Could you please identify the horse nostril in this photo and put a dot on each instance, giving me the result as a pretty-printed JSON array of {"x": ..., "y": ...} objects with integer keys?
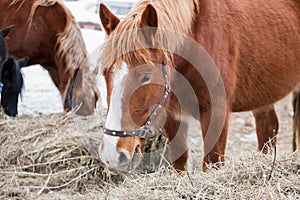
[{"x": 123, "y": 159}]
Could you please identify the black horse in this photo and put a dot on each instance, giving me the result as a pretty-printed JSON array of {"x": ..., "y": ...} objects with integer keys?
[{"x": 12, "y": 81}]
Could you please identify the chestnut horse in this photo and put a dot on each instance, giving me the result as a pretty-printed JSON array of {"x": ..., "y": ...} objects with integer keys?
[
  {"x": 46, "y": 32},
  {"x": 170, "y": 59}
]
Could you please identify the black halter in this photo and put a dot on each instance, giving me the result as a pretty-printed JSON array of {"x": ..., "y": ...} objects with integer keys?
[
  {"x": 144, "y": 131},
  {"x": 68, "y": 96},
  {"x": 1, "y": 86}
]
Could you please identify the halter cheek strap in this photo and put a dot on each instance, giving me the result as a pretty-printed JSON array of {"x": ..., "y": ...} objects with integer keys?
[
  {"x": 68, "y": 97},
  {"x": 1, "y": 86},
  {"x": 145, "y": 132}
]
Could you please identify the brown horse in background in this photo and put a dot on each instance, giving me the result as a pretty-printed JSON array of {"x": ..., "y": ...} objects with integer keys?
[
  {"x": 46, "y": 32},
  {"x": 234, "y": 56}
]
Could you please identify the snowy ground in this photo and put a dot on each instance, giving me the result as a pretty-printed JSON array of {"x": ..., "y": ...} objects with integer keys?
[{"x": 40, "y": 95}]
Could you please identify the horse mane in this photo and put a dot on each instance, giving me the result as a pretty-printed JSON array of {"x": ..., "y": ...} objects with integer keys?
[
  {"x": 70, "y": 46},
  {"x": 13, "y": 2},
  {"x": 127, "y": 42}
]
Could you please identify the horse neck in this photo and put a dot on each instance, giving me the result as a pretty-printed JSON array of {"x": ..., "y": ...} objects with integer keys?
[{"x": 203, "y": 36}]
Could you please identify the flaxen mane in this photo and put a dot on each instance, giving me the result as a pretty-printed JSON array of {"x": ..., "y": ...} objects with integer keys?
[
  {"x": 128, "y": 38},
  {"x": 71, "y": 48}
]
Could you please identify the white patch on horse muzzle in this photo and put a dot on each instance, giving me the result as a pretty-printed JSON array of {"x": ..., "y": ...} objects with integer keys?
[{"x": 108, "y": 151}]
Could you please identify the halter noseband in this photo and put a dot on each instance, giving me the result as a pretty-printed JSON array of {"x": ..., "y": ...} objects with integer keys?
[{"x": 145, "y": 132}]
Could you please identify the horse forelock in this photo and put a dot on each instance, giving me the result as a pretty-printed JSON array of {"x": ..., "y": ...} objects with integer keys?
[{"x": 126, "y": 42}]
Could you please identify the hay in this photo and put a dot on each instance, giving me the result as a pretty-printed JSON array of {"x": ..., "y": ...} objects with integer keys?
[
  {"x": 55, "y": 157},
  {"x": 245, "y": 177},
  {"x": 48, "y": 152}
]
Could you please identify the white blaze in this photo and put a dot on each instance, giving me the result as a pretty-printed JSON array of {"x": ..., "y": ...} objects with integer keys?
[
  {"x": 113, "y": 121},
  {"x": 109, "y": 154}
]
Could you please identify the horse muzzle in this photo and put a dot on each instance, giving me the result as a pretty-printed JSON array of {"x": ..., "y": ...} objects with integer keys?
[{"x": 117, "y": 157}]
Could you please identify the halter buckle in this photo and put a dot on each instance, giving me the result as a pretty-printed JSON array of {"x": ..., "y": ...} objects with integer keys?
[{"x": 145, "y": 133}]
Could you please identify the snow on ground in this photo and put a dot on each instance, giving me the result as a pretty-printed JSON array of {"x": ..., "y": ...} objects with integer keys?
[{"x": 39, "y": 94}]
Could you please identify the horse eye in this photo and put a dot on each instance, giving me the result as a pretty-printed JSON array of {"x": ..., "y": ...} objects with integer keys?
[{"x": 146, "y": 78}]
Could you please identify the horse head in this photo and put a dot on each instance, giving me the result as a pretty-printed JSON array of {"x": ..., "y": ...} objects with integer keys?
[
  {"x": 82, "y": 94},
  {"x": 137, "y": 86},
  {"x": 12, "y": 80}
]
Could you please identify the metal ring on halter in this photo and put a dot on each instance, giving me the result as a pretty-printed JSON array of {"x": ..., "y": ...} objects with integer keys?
[{"x": 146, "y": 133}]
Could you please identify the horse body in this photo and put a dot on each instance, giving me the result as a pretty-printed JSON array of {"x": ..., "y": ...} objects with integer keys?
[
  {"x": 255, "y": 51},
  {"x": 279, "y": 32},
  {"x": 46, "y": 32}
]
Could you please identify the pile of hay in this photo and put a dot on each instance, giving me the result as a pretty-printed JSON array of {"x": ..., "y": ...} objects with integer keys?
[
  {"x": 55, "y": 156},
  {"x": 48, "y": 152},
  {"x": 246, "y": 177},
  {"x": 53, "y": 153}
]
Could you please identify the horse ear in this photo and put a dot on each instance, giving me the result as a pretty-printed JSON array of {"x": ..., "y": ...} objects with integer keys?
[
  {"x": 8, "y": 65},
  {"x": 149, "y": 22},
  {"x": 6, "y": 30},
  {"x": 108, "y": 19},
  {"x": 23, "y": 62}
]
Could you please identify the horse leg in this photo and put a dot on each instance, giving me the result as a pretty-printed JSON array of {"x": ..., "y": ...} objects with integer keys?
[
  {"x": 214, "y": 133},
  {"x": 176, "y": 132},
  {"x": 266, "y": 127},
  {"x": 296, "y": 119}
]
